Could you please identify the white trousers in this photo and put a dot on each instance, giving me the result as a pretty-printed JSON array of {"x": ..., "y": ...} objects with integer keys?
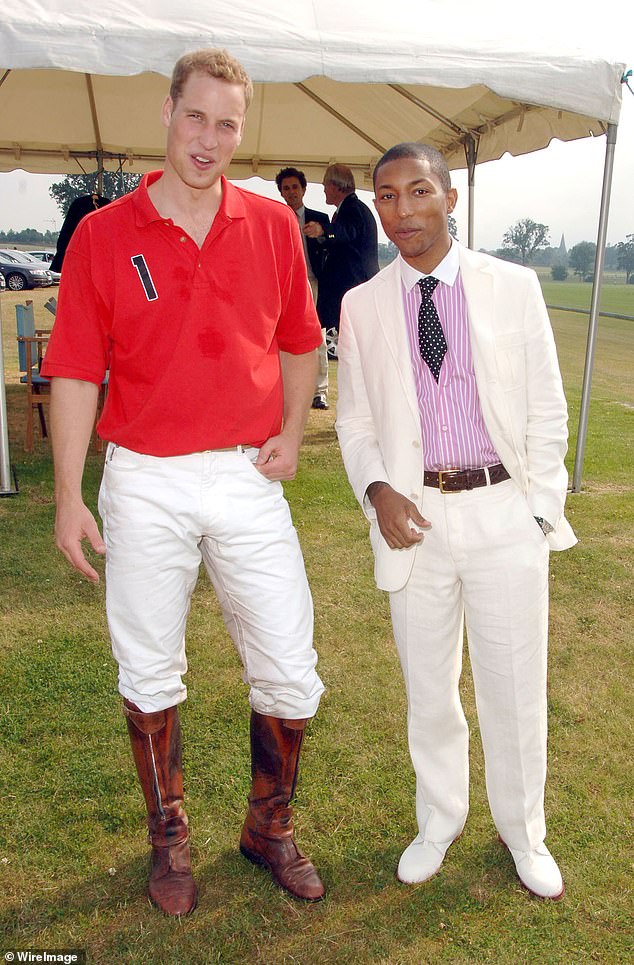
[
  {"x": 485, "y": 560},
  {"x": 321, "y": 386},
  {"x": 161, "y": 516}
]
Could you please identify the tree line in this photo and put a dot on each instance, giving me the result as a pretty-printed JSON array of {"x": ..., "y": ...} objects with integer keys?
[
  {"x": 28, "y": 237},
  {"x": 527, "y": 243}
]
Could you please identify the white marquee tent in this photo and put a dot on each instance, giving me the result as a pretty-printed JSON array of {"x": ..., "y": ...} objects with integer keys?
[
  {"x": 81, "y": 86},
  {"x": 332, "y": 82}
]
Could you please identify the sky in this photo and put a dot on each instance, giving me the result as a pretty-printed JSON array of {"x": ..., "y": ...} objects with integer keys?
[{"x": 559, "y": 186}]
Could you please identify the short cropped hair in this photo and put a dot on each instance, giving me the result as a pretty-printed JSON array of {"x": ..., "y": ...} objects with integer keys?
[
  {"x": 214, "y": 63},
  {"x": 341, "y": 176},
  {"x": 290, "y": 173},
  {"x": 422, "y": 152}
]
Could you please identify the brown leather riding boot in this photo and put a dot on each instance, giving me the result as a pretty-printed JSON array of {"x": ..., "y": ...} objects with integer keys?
[
  {"x": 267, "y": 835},
  {"x": 156, "y": 746}
]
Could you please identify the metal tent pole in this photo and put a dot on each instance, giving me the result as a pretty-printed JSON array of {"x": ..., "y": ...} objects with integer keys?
[
  {"x": 471, "y": 153},
  {"x": 7, "y": 484},
  {"x": 594, "y": 307}
]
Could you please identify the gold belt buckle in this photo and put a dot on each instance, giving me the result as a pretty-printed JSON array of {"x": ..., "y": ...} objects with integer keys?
[{"x": 441, "y": 473}]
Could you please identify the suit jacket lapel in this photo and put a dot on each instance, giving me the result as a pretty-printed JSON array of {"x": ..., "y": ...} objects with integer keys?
[
  {"x": 391, "y": 315},
  {"x": 478, "y": 279},
  {"x": 479, "y": 289}
]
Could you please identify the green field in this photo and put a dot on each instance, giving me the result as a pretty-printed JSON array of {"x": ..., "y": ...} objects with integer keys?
[
  {"x": 615, "y": 298},
  {"x": 72, "y": 838}
]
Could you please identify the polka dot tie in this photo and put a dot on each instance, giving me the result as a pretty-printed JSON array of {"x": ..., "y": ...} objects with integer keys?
[{"x": 431, "y": 338}]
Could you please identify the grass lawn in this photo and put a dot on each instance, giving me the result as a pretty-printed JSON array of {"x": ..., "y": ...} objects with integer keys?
[
  {"x": 617, "y": 298},
  {"x": 73, "y": 854}
]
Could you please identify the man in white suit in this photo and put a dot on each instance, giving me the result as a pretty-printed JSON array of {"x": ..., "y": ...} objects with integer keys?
[{"x": 453, "y": 426}]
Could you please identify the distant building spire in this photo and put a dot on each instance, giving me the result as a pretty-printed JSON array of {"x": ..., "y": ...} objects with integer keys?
[{"x": 561, "y": 257}]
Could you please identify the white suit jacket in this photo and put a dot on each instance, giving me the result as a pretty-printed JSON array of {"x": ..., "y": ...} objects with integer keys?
[{"x": 518, "y": 379}]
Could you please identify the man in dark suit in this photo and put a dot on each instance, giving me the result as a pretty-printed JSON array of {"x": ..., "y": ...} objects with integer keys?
[
  {"x": 351, "y": 251},
  {"x": 78, "y": 209},
  {"x": 291, "y": 184}
]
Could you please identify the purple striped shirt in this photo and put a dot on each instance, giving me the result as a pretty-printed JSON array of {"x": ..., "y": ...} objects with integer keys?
[{"x": 453, "y": 431}]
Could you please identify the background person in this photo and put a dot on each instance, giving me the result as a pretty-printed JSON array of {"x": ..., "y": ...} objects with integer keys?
[
  {"x": 291, "y": 184},
  {"x": 194, "y": 294},
  {"x": 78, "y": 209},
  {"x": 350, "y": 243},
  {"x": 451, "y": 405}
]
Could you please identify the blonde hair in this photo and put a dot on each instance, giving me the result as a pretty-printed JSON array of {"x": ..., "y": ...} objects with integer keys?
[{"x": 214, "y": 63}]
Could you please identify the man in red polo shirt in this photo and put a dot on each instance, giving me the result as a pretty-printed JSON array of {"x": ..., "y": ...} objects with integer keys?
[{"x": 193, "y": 293}]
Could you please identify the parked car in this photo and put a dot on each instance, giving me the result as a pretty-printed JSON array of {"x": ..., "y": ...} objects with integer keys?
[
  {"x": 43, "y": 254},
  {"x": 22, "y": 271},
  {"x": 3, "y": 283},
  {"x": 46, "y": 257}
]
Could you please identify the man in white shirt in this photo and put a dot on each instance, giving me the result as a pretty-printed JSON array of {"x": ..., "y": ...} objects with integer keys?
[{"x": 453, "y": 427}]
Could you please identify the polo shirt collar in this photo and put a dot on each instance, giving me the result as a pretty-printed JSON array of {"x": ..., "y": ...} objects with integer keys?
[
  {"x": 146, "y": 213},
  {"x": 445, "y": 271},
  {"x": 231, "y": 206}
]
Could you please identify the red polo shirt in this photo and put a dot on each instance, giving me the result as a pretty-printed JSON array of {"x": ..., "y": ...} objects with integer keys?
[{"x": 191, "y": 336}]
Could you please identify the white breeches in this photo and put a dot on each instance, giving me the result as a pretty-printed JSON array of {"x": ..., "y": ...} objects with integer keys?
[{"x": 161, "y": 517}]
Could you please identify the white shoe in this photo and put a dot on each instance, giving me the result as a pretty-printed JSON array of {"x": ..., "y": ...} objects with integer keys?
[
  {"x": 538, "y": 872},
  {"x": 421, "y": 860}
]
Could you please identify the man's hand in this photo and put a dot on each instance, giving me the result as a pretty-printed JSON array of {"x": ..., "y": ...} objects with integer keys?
[
  {"x": 73, "y": 523},
  {"x": 395, "y": 515},
  {"x": 278, "y": 457},
  {"x": 312, "y": 229}
]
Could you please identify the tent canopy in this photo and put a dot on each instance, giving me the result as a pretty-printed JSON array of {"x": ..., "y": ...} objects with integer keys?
[{"x": 333, "y": 82}]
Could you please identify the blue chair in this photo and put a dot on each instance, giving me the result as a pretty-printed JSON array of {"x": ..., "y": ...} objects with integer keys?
[{"x": 31, "y": 347}]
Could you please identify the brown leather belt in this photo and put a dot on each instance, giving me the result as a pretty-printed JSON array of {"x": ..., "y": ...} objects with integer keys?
[
  {"x": 455, "y": 480},
  {"x": 237, "y": 448}
]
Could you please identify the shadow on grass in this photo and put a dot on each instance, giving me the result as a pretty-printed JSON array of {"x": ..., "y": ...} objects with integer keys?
[
  {"x": 367, "y": 916},
  {"x": 245, "y": 917}
]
